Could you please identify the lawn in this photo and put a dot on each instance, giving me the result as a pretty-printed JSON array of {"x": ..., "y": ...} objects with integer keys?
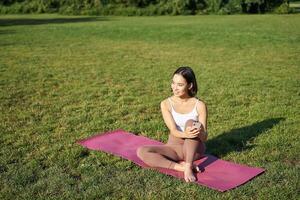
[{"x": 67, "y": 78}]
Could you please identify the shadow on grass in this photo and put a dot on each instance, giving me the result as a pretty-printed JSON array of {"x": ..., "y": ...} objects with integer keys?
[
  {"x": 236, "y": 139},
  {"x": 30, "y": 21}
]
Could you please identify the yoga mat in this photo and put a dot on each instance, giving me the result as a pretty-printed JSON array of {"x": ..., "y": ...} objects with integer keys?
[{"x": 216, "y": 173}]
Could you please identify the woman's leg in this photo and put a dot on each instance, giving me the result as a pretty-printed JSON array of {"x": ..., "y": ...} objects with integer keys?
[
  {"x": 160, "y": 156},
  {"x": 192, "y": 149}
]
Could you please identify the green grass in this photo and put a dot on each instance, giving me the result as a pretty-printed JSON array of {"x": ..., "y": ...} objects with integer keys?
[{"x": 66, "y": 78}]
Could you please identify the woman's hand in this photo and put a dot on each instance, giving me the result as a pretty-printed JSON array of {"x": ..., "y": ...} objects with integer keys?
[
  {"x": 192, "y": 132},
  {"x": 196, "y": 125}
]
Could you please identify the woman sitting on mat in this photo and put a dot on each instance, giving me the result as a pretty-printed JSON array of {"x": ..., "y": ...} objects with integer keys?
[{"x": 185, "y": 116}]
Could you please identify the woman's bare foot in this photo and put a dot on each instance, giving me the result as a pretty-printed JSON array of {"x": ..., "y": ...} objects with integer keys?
[
  {"x": 195, "y": 167},
  {"x": 179, "y": 167},
  {"x": 188, "y": 173}
]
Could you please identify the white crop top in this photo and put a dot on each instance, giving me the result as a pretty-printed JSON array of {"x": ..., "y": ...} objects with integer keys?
[{"x": 180, "y": 119}]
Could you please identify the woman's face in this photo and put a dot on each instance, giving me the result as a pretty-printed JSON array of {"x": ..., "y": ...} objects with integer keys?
[{"x": 179, "y": 86}]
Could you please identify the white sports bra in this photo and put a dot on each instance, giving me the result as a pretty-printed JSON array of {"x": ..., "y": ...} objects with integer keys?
[{"x": 180, "y": 119}]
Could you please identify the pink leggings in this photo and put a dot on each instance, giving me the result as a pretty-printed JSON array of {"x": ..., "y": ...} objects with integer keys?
[{"x": 167, "y": 155}]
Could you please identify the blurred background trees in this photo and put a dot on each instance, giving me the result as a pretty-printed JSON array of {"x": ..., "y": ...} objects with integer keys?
[{"x": 144, "y": 7}]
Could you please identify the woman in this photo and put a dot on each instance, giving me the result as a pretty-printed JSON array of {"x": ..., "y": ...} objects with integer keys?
[{"x": 186, "y": 142}]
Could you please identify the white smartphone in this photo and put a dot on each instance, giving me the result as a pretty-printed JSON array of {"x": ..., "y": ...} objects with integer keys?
[{"x": 197, "y": 124}]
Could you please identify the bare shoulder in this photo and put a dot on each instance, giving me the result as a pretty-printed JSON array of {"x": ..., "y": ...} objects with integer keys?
[
  {"x": 201, "y": 106},
  {"x": 164, "y": 104}
]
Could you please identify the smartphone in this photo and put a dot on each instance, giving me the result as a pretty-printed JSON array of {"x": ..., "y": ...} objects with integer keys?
[{"x": 197, "y": 124}]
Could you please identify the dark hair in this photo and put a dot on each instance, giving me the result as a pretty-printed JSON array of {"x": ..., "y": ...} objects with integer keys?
[{"x": 189, "y": 76}]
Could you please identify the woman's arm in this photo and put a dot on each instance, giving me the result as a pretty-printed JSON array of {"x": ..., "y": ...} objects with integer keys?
[
  {"x": 169, "y": 121},
  {"x": 202, "y": 111}
]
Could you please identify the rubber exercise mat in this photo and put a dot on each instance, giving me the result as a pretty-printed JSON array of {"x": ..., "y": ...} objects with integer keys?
[{"x": 216, "y": 173}]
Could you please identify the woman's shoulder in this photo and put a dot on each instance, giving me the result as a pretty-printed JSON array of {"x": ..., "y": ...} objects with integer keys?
[
  {"x": 165, "y": 103},
  {"x": 200, "y": 101},
  {"x": 200, "y": 104}
]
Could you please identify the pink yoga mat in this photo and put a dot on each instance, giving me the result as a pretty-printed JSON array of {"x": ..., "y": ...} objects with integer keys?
[{"x": 216, "y": 173}]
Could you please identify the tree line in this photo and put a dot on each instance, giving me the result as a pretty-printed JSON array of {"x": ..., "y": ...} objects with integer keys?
[{"x": 144, "y": 7}]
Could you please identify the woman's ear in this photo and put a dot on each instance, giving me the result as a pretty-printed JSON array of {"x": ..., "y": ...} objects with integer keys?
[{"x": 190, "y": 86}]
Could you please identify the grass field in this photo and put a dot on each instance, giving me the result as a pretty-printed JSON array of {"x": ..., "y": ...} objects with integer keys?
[{"x": 66, "y": 78}]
